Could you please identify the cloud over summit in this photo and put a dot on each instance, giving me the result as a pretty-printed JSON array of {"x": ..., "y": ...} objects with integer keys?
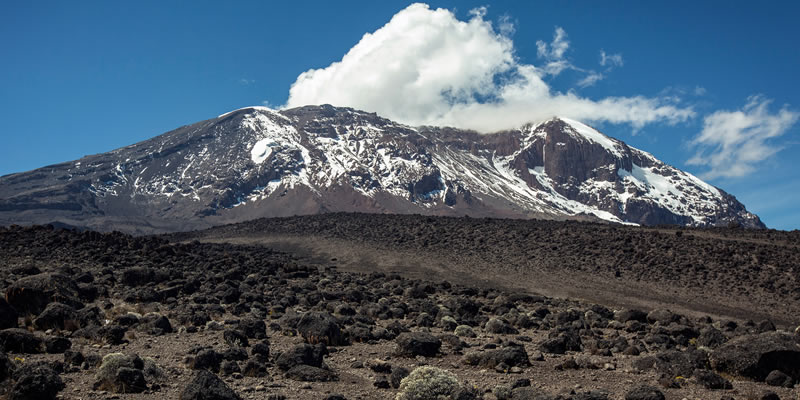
[
  {"x": 426, "y": 67},
  {"x": 733, "y": 143}
]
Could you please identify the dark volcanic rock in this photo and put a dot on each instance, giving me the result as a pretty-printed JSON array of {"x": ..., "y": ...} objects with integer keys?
[
  {"x": 57, "y": 345},
  {"x": 567, "y": 341},
  {"x": 778, "y": 378},
  {"x": 302, "y": 354},
  {"x": 33, "y": 293},
  {"x": 308, "y": 373},
  {"x": 57, "y": 316},
  {"x": 16, "y": 340},
  {"x": 398, "y": 373},
  {"x": 206, "y": 359},
  {"x": 321, "y": 327},
  {"x": 710, "y": 380},
  {"x": 8, "y": 315},
  {"x": 644, "y": 392},
  {"x": 630, "y": 315},
  {"x": 37, "y": 383},
  {"x": 512, "y": 356},
  {"x": 6, "y": 367},
  {"x": 207, "y": 386},
  {"x": 253, "y": 328},
  {"x": 414, "y": 344},
  {"x": 755, "y": 356}
]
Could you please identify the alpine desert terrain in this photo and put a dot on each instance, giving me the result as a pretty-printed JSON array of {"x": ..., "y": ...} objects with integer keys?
[{"x": 365, "y": 306}]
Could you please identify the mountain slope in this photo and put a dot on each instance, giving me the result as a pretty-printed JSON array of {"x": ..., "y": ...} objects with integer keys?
[{"x": 257, "y": 162}]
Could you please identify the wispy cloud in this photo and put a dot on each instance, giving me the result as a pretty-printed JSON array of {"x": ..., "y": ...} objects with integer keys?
[
  {"x": 426, "y": 67},
  {"x": 733, "y": 143},
  {"x": 247, "y": 82},
  {"x": 591, "y": 79},
  {"x": 553, "y": 53},
  {"x": 611, "y": 60}
]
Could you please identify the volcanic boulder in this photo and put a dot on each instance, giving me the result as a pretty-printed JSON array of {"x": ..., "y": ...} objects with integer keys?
[
  {"x": 207, "y": 386},
  {"x": 414, "y": 344},
  {"x": 321, "y": 327},
  {"x": 32, "y": 294},
  {"x": 755, "y": 356}
]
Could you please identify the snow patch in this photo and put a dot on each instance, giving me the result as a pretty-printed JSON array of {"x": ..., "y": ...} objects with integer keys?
[
  {"x": 261, "y": 150},
  {"x": 594, "y": 136}
]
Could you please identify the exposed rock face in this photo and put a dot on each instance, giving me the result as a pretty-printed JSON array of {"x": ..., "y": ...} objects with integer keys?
[{"x": 257, "y": 162}]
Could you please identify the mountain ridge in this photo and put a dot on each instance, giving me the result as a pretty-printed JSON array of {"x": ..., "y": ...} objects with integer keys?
[{"x": 258, "y": 162}]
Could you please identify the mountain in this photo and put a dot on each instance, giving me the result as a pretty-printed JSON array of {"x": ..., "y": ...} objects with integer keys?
[{"x": 257, "y": 162}]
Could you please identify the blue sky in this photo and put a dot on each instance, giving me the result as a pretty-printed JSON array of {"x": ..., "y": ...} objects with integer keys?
[{"x": 86, "y": 77}]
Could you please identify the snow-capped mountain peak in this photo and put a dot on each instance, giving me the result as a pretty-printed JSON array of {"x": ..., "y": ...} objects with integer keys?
[{"x": 256, "y": 161}]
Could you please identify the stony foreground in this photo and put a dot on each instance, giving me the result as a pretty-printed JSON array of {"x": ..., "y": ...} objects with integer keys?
[{"x": 99, "y": 316}]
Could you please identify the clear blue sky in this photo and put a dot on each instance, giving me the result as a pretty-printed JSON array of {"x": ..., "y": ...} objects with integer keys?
[{"x": 86, "y": 77}]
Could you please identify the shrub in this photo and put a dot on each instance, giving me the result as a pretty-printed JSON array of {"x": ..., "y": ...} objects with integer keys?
[
  {"x": 464, "y": 331},
  {"x": 428, "y": 383},
  {"x": 502, "y": 392},
  {"x": 448, "y": 323},
  {"x": 119, "y": 373}
]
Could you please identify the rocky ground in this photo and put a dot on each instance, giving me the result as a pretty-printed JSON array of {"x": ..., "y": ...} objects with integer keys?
[
  {"x": 745, "y": 274},
  {"x": 99, "y": 316}
]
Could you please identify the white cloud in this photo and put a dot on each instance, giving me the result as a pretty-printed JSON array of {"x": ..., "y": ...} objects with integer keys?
[
  {"x": 700, "y": 91},
  {"x": 557, "y": 47},
  {"x": 247, "y": 82},
  {"x": 590, "y": 79},
  {"x": 506, "y": 26},
  {"x": 732, "y": 143},
  {"x": 612, "y": 60},
  {"x": 425, "y": 67}
]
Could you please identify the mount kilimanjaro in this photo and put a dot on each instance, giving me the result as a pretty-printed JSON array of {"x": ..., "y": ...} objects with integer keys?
[{"x": 258, "y": 162}]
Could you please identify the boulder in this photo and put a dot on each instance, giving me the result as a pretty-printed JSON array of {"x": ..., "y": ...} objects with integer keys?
[
  {"x": 6, "y": 367},
  {"x": 57, "y": 316},
  {"x": 512, "y": 356},
  {"x": 32, "y": 294},
  {"x": 36, "y": 383},
  {"x": 630, "y": 315},
  {"x": 302, "y": 354},
  {"x": 644, "y": 392},
  {"x": 321, "y": 327},
  {"x": 8, "y": 315},
  {"x": 662, "y": 316},
  {"x": 778, "y": 378},
  {"x": 398, "y": 373},
  {"x": 207, "y": 386},
  {"x": 756, "y": 356},
  {"x": 412, "y": 344},
  {"x": 15, "y": 340},
  {"x": 57, "y": 345},
  {"x": 672, "y": 362},
  {"x": 207, "y": 359},
  {"x": 308, "y": 373},
  {"x": 710, "y": 380},
  {"x": 253, "y": 328},
  {"x": 560, "y": 344}
]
